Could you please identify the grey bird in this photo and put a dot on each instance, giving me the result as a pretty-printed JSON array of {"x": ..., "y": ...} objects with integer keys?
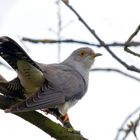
[{"x": 53, "y": 86}]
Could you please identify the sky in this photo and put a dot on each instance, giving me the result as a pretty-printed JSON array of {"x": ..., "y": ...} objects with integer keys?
[{"x": 111, "y": 97}]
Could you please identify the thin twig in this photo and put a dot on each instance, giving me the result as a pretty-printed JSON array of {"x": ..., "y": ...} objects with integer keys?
[
  {"x": 118, "y": 71},
  {"x": 102, "y": 43},
  {"x": 114, "y": 44},
  {"x": 59, "y": 25},
  {"x": 126, "y": 120},
  {"x": 131, "y": 127},
  {"x": 129, "y": 40}
]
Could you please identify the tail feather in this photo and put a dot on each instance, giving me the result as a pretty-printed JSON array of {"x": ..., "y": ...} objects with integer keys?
[
  {"x": 11, "y": 52},
  {"x": 12, "y": 89}
]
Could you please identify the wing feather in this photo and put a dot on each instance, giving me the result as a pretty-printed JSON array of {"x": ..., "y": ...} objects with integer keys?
[
  {"x": 11, "y": 52},
  {"x": 34, "y": 103}
]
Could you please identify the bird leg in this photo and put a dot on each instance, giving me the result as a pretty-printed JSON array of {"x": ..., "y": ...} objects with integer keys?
[{"x": 64, "y": 119}]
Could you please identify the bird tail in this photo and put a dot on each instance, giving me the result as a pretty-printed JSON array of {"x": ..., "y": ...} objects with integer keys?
[
  {"x": 12, "y": 89},
  {"x": 11, "y": 52}
]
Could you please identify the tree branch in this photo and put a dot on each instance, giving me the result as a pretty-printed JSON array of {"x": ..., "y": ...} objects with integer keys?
[
  {"x": 118, "y": 71},
  {"x": 130, "y": 127},
  {"x": 129, "y": 40},
  {"x": 42, "y": 122},
  {"x": 101, "y": 42},
  {"x": 51, "y": 41}
]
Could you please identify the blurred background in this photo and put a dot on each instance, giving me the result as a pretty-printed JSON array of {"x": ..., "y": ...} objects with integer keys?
[{"x": 111, "y": 96}]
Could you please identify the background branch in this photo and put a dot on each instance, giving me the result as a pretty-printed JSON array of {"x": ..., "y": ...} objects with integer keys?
[
  {"x": 129, "y": 40},
  {"x": 130, "y": 127},
  {"x": 114, "y": 44},
  {"x": 59, "y": 25},
  {"x": 101, "y": 42},
  {"x": 116, "y": 70}
]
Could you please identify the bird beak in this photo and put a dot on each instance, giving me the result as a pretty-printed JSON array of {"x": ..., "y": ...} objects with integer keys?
[{"x": 96, "y": 54}]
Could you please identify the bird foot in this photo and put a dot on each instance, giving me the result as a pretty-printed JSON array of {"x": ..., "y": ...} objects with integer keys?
[{"x": 65, "y": 118}]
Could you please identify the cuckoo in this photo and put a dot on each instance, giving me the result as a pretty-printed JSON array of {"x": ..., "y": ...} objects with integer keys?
[{"x": 53, "y": 87}]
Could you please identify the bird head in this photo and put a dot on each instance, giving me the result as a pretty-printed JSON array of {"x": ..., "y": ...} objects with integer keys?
[{"x": 84, "y": 57}]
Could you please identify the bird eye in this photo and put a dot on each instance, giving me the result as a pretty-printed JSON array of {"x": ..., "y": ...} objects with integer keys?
[{"x": 82, "y": 53}]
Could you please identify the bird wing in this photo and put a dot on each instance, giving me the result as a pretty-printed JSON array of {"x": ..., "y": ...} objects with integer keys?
[
  {"x": 11, "y": 52},
  {"x": 64, "y": 85}
]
